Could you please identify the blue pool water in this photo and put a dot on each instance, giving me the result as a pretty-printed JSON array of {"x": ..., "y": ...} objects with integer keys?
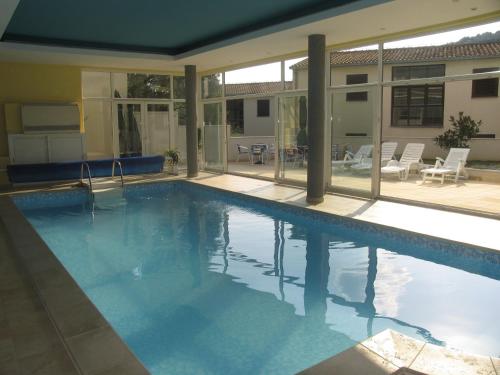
[{"x": 202, "y": 282}]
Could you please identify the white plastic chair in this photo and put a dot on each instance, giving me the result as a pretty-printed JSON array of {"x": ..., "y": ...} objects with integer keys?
[
  {"x": 454, "y": 165},
  {"x": 242, "y": 150},
  {"x": 412, "y": 155}
]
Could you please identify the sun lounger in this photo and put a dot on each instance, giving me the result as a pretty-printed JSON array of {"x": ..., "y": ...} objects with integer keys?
[
  {"x": 453, "y": 166},
  {"x": 412, "y": 155}
]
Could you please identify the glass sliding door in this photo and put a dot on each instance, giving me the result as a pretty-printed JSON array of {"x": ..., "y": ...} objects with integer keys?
[
  {"x": 214, "y": 136},
  {"x": 157, "y": 135},
  {"x": 352, "y": 119},
  {"x": 292, "y": 137},
  {"x": 130, "y": 129}
]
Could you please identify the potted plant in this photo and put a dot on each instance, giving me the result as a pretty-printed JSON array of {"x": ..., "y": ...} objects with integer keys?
[
  {"x": 172, "y": 161},
  {"x": 462, "y": 130}
]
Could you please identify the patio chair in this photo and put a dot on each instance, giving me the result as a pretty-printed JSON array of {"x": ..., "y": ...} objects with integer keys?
[
  {"x": 386, "y": 155},
  {"x": 453, "y": 166},
  {"x": 271, "y": 151},
  {"x": 242, "y": 150},
  {"x": 412, "y": 155},
  {"x": 292, "y": 156},
  {"x": 363, "y": 153},
  {"x": 258, "y": 151}
]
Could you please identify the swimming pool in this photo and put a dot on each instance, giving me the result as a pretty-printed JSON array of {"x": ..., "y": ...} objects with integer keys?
[{"x": 199, "y": 281}]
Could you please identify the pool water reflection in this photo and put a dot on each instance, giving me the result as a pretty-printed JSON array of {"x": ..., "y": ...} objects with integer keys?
[{"x": 195, "y": 282}]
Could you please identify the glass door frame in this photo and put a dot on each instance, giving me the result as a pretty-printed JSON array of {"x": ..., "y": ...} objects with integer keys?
[
  {"x": 116, "y": 128},
  {"x": 225, "y": 136},
  {"x": 279, "y": 135},
  {"x": 144, "y": 126}
]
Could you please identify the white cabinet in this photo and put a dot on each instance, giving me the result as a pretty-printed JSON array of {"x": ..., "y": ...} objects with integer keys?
[{"x": 46, "y": 148}]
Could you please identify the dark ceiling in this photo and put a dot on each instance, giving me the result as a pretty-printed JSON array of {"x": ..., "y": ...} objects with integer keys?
[{"x": 155, "y": 26}]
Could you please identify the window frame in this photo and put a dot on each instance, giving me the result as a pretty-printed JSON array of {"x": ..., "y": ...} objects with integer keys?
[
  {"x": 477, "y": 82},
  {"x": 425, "y": 105},
  {"x": 356, "y": 79},
  {"x": 268, "y": 107}
]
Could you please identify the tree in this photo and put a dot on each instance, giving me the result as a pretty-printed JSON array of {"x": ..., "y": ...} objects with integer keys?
[{"x": 462, "y": 131}]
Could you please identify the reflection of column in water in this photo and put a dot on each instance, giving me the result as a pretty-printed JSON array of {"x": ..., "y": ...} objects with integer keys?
[
  {"x": 369, "y": 306},
  {"x": 194, "y": 233},
  {"x": 226, "y": 241},
  {"x": 279, "y": 249},
  {"x": 316, "y": 277}
]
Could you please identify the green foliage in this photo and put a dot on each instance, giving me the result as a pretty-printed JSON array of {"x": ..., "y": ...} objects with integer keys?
[
  {"x": 462, "y": 130},
  {"x": 148, "y": 86},
  {"x": 174, "y": 154},
  {"x": 302, "y": 137}
]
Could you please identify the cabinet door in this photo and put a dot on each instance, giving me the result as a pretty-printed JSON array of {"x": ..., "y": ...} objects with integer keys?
[
  {"x": 28, "y": 149},
  {"x": 66, "y": 148}
]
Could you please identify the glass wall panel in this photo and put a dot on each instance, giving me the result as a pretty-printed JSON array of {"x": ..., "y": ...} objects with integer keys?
[
  {"x": 260, "y": 79},
  {"x": 252, "y": 119},
  {"x": 211, "y": 86},
  {"x": 180, "y": 131},
  {"x": 214, "y": 136},
  {"x": 352, "y": 138},
  {"x": 98, "y": 128},
  {"x": 158, "y": 129},
  {"x": 96, "y": 84},
  {"x": 292, "y": 137},
  {"x": 179, "y": 87},
  {"x": 139, "y": 85},
  {"x": 296, "y": 73},
  {"x": 130, "y": 130},
  {"x": 447, "y": 134}
]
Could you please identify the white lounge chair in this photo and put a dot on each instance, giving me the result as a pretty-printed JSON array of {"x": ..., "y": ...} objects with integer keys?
[
  {"x": 453, "y": 166},
  {"x": 412, "y": 155},
  {"x": 363, "y": 153},
  {"x": 387, "y": 154}
]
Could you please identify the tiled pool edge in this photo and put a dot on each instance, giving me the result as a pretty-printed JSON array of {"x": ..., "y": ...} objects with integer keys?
[{"x": 90, "y": 341}]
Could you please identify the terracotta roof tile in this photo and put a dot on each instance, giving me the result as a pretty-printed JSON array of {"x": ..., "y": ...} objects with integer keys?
[
  {"x": 233, "y": 89},
  {"x": 413, "y": 54}
]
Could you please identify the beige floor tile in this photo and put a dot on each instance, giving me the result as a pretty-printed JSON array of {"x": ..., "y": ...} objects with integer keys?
[
  {"x": 399, "y": 349},
  {"x": 435, "y": 360},
  {"x": 54, "y": 362},
  {"x": 357, "y": 360},
  {"x": 100, "y": 352}
]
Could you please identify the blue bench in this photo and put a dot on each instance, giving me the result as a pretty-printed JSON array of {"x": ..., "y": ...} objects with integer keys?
[{"x": 26, "y": 173}]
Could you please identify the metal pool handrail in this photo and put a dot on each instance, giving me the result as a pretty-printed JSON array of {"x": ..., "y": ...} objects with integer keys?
[
  {"x": 113, "y": 170},
  {"x": 88, "y": 175}
]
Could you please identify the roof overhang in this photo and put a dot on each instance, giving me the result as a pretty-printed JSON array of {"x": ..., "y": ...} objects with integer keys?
[{"x": 352, "y": 24}]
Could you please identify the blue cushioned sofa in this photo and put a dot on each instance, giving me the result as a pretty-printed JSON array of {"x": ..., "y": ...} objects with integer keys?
[{"x": 26, "y": 173}]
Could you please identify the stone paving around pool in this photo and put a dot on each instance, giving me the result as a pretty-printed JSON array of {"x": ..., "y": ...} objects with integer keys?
[{"x": 391, "y": 352}]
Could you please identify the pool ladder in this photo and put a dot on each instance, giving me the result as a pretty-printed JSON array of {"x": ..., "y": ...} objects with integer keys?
[
  {"x": 85, "y": 164},
  {"x": 117, "y": 162}
]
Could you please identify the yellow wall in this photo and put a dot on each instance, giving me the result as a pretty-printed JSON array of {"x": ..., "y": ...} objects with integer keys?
[{"x": 33, "y": 83}]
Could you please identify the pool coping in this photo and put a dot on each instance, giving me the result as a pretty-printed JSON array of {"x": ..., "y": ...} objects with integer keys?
[
  {"x": 83, "y": 330},
  {"x": 90, "y": 341}
]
